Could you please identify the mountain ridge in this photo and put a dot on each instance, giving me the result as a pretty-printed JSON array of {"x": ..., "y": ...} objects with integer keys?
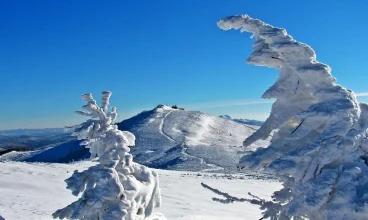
[{"x": 168, "y": 138}]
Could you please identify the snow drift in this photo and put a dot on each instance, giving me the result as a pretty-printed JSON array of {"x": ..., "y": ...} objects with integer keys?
[{"x": 320, "y": 147}]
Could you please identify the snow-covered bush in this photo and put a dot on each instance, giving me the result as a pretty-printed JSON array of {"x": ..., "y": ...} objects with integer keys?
[
  {"x": 116, "y": 187},
  {"x": 319, "y": 149}
]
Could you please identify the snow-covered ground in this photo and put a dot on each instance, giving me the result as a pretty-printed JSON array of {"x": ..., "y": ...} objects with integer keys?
[{"x": 35, "y": 190}]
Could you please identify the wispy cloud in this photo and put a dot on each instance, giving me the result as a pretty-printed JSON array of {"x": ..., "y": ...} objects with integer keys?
[
  {"x": 362, "y": 94},
  {"x": 207, "y": 105}
]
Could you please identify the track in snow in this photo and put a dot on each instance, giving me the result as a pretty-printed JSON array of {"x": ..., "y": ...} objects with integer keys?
[{"x": 161, "y": 127}]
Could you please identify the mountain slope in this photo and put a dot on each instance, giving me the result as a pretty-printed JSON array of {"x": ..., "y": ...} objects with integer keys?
[
  {"x": 63, "y": 153},
  {"x": 187, "y": 140},
  {"x": 167, "y": 138}
]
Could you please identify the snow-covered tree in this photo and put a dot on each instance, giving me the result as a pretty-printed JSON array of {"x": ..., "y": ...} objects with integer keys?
[
  {"x": 116, "y": 187},
  {"x": 320, "y": 146}
]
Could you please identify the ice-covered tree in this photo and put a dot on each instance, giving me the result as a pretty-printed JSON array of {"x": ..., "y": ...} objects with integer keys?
[
  {"x": 116, "y": 187},
  {"x": 320, "y": 146}
]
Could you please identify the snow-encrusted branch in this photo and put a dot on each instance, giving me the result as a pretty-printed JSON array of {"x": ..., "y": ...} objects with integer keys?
[
  {"x": 271, "y": 208},
  {"x": 228, "y": 198}
]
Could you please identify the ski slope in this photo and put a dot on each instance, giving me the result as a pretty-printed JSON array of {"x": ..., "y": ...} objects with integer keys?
[{"x": 33, "y": 191}]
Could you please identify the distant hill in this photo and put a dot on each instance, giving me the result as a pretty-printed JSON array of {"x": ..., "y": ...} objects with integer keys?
[
  {"x": 29, "y": 132},
  {"x": 32, "y": 139},
  {"x": 243, "y": 121}
]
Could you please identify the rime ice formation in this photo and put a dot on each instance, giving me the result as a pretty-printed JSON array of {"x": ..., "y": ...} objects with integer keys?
[
  {"x": 320, "y": 147},
  {"x": 115, "y": 188}
]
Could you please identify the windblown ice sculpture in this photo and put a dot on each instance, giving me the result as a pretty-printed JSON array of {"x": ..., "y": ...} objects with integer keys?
[{"x": 320, "y": 146}]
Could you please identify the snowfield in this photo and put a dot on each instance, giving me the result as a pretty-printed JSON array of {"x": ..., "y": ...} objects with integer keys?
[{"x": 33, "y": 191}]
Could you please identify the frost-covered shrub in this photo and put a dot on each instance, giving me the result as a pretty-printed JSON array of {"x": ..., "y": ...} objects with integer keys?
[
  {"x": 116, "y": 187},
  {"x": 319, "y": 149}
]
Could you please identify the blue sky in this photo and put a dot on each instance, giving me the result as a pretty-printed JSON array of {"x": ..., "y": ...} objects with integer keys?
[{"x": 150, "y": 52}]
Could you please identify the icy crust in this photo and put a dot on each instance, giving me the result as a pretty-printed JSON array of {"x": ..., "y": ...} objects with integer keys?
[
  {"x": 320, "y": 147},
  {"x": 115, "y": 188}
]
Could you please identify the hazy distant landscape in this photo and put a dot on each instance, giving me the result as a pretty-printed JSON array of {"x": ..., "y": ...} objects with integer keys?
[{"x": 32, "y": 139}]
